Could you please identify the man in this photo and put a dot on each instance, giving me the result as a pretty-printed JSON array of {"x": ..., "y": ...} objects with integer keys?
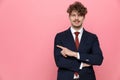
[{"x": 77, "y": 50}]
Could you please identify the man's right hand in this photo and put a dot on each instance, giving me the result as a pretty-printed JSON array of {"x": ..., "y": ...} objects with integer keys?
[{"x": 86, "y": 65}]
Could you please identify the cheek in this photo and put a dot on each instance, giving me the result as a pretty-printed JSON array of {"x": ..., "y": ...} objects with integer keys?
[
  {"x": 71, "y": 18},
  {"x": 81, "y": 19}
]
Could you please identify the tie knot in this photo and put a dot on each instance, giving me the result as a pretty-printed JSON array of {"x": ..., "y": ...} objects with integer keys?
[{"x": 77, "y": 33}]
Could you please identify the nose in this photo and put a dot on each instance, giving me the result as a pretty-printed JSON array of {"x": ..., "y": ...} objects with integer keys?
[{"x": 76, "y": 17}]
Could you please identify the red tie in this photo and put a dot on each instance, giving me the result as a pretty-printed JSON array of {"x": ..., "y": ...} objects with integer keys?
[
  {"x": 76, "y": 40},
  {"x": 77, "y": 45}
]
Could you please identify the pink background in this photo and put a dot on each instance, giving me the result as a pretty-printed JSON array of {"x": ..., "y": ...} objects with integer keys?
[{"x": 28, "y": 28}]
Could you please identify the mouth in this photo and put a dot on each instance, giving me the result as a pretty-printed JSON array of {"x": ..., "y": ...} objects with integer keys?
[{"x": 76, "y": 22}]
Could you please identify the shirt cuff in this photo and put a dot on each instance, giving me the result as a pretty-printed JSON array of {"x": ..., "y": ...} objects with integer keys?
[
  {"x": 81, "y": 66},
  {"x": 78, "y": 56}
]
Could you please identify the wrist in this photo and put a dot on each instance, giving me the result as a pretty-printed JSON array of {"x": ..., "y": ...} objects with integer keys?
[{"x": 75, "y": 54}]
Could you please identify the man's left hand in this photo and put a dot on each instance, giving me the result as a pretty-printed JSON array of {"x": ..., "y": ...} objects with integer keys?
[{"x": 67, "y": 52}]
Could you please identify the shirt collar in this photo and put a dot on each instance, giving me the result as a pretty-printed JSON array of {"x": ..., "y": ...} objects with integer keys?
[{"x": 73, "y": 30}]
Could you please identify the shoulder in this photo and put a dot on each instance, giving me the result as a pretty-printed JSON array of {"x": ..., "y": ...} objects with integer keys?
[
  {"x": 62, "y": 33},
  {"x": 90, "y": 34}
]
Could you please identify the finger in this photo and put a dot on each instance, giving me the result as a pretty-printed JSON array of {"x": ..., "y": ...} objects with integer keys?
[
  {"x": 86, "y": 65},
  {"x": 63, "y": 54},
  {"x": 60, "y": 46}
]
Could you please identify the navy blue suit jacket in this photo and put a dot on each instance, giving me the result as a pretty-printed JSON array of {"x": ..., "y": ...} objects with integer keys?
[{"x": 89, "y": 51}]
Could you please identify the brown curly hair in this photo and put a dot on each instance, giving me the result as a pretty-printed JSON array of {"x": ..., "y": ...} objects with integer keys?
[{"x": 77, "y": 6}]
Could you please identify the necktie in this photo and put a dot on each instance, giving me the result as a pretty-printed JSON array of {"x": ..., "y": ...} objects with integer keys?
[
  {"x": 77, "y": 45},
  {"x": 76, "y": 40}
]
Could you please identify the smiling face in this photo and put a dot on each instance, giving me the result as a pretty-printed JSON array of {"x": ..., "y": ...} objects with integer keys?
[{"x": 76, "y": 19}]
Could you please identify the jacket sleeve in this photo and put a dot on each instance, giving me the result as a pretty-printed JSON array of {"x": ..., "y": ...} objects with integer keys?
[
  {"x": 95, "y": 56},
  {"x": 62, "y": 62}
]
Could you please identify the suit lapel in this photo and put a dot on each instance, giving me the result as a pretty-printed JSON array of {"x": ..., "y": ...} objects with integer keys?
[
  {"x": 70, "y": 38},
  {"x": 83, "y": 39}
]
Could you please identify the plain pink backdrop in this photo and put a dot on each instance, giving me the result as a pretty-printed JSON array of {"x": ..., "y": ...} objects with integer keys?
[{"x": 28, "y": 28}]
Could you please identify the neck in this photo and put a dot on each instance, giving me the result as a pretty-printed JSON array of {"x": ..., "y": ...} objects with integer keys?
[{"x": 77, "y": 28}]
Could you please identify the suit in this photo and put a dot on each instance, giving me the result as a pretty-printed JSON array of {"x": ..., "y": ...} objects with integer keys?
[{"x": 89, "y": 51}]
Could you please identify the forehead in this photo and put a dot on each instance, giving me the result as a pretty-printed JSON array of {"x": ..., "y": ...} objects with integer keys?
[{"x": 75, "y": 12}]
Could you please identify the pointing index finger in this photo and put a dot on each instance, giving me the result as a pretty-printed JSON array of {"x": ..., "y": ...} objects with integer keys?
[{"x": 60, "y": 46}]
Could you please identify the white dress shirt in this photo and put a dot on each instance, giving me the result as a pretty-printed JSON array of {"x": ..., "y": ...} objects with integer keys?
[{"x": 79, "y": 37}]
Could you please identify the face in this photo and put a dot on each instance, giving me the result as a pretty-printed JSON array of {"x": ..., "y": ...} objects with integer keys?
[{"x": 76, "y": 19}]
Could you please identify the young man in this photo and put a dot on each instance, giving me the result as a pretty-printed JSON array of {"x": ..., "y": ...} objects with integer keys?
[{"x": 76, "y": 50}]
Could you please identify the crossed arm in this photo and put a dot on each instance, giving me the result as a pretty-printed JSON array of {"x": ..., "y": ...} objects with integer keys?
[
  {"x": 87, "y": 59},
  {"x": 67, "y": 52}
]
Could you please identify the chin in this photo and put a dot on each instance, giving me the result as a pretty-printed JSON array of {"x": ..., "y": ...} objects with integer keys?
[{"x": 77, "y": 25}]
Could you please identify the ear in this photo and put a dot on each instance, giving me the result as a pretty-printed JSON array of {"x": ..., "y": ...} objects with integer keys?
[
  {"x": 83, "y": 17},
  {"x": 69, "y": 16}
]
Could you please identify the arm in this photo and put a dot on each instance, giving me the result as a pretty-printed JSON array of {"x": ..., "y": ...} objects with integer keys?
[
  {"x": 95, "y": 57},
  {"x": 61, "y": 61}
]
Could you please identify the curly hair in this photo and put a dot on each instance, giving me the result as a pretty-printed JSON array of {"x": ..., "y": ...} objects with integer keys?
[{"x": 77, "y": 6}]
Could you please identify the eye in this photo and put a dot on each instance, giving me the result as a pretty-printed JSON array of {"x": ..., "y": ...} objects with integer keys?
[
  {"x": 79, "y": 15},
  {"x": 73, "y": 15}
]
